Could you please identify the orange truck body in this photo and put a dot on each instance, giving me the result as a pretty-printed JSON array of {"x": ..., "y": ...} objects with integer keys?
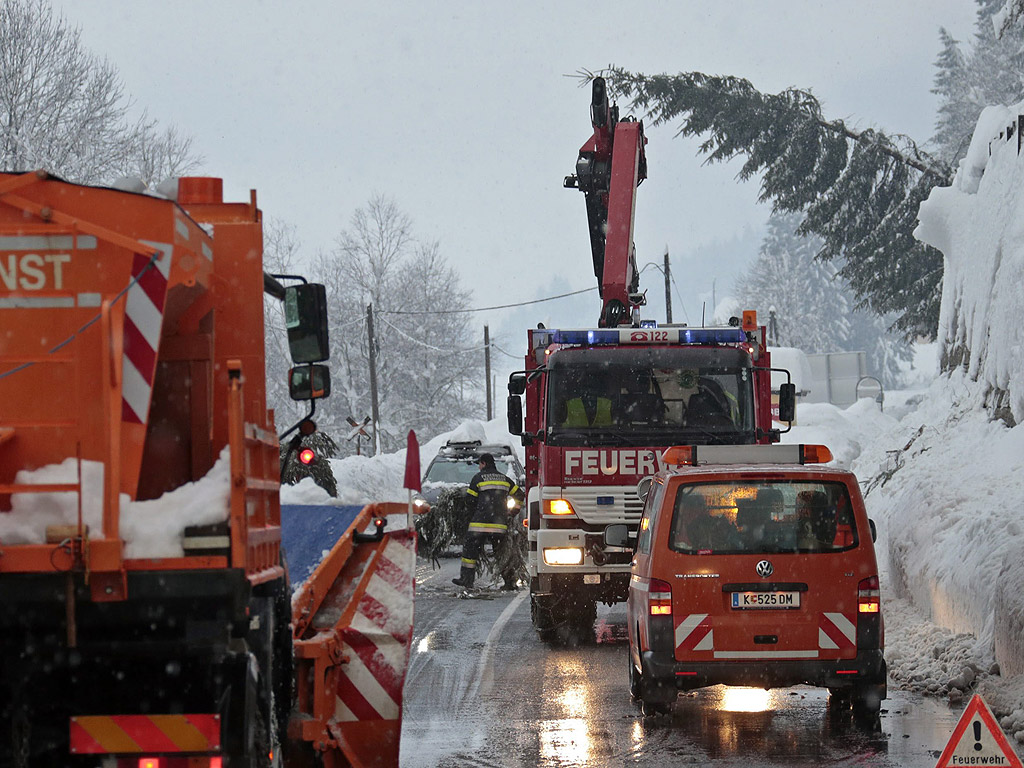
[{"x": 131, "y": 357}]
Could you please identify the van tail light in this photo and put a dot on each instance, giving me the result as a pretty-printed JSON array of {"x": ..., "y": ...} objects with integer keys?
[
  {"x": 868, "y": 595},
  {"x": 659, "y": 598}
]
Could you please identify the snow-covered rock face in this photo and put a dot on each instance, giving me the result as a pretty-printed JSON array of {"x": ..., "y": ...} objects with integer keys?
[{"x": 978, "y": 224}]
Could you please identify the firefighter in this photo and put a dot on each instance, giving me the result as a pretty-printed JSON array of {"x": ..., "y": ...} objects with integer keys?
[{"x": 488, "y": 495}]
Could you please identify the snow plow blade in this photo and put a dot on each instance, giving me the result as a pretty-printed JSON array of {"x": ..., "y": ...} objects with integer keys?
[{"x": 352, "y": 628}]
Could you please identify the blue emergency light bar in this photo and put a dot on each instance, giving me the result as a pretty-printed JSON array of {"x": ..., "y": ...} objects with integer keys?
[{"x": 616, "y": 336}]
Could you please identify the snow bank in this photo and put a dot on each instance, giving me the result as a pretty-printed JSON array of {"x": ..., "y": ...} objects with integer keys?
[{"x": 978, "y": 224}]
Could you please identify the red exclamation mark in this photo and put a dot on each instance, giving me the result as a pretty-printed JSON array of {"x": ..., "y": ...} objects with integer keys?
[{"x": 977, "y": 736}]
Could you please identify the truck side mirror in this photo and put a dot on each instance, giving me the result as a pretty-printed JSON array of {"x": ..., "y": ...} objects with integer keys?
[
  {"x": 305, "y": 318},
  {"x": 516, "y": 384},
  {"x": 787, "y": 402},
  {"x": 309, "y": 382},
  {"x": 515, "y": 415},
  {"x": 617, "y": 535}
]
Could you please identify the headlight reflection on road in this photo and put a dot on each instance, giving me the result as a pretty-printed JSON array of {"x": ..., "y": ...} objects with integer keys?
[
  {"x": 424, "y": 645},
  {"x": 745, "y": 700},
  {"x": 575, "y": 702},
  {"x": 565, "y": 742}
]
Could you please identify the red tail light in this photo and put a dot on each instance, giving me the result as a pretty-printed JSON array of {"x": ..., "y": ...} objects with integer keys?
[
  {"x": 868, "y": 595},
  {"x": 659, "y": 598}
]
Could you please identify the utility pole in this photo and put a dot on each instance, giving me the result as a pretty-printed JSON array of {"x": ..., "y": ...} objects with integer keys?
[
  {"x": 668, "y": 293},
  {"x": 373, "y": 378},
  {"x": 487, "y": 366}
]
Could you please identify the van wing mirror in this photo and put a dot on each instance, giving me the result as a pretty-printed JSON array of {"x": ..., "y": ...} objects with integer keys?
[
  {"x": 309, "y": 382},
  {"x": 874, "y": 531},
  {"x": 787, "y": 402},
  {"x": 617, "y": 535},
  {"x": 305, "y": 318},
  {"x": 515, "y": 415}
]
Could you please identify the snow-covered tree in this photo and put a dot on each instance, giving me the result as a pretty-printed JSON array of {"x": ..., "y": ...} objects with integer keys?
[
  {"x": 814, "y": 310},
  {"x": 991, "y": 72},
  {"x": 429, "y": 366},
  {"x": 858, "y": 190},
  {"x": 65, "y": 110}
]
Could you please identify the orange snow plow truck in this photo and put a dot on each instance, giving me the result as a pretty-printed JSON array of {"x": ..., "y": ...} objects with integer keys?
[{"x": 146, "y": 618}]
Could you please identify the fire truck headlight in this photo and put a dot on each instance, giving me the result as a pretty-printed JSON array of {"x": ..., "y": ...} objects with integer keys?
[{"x": 563, "y": 556}]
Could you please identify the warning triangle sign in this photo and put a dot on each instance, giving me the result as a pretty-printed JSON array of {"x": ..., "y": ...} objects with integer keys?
[{"x": 978, "y": 740}]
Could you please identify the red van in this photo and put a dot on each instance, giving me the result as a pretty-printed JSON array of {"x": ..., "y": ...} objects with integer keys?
[{"x": 753, "y": 566}]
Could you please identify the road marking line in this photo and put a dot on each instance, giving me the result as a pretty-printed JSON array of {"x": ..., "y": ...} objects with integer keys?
[{"x": 492, "y": 637}]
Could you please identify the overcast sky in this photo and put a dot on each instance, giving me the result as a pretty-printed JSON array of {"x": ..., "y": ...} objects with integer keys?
[{"x": 462, "y": 113}]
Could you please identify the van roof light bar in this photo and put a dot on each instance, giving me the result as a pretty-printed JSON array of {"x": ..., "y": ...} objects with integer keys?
[{"x": 695, "y": 455}]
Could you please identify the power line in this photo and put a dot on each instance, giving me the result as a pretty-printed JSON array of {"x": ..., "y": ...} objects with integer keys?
[
  {"x": 481, "y": 309},
  {"x": 507, "y": 354},
  {"x": 428, "y": 346}
]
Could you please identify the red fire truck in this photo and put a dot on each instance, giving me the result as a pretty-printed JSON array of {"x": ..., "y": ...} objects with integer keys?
[{"x": 602, "y": 404}]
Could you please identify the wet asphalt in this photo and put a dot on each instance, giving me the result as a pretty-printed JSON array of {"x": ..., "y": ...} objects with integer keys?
[{"x": 483, "y": 690}]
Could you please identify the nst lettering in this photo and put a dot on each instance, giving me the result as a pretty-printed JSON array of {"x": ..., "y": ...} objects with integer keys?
[
  {"x": 33, "y": 271},
  {"x": 609, "y": 461}
]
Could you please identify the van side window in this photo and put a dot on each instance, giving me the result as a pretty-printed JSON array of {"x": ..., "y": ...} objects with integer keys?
[{"x": 651, "y": 507}]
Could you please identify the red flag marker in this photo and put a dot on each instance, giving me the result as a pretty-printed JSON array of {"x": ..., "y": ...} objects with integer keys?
[
  {"x": 412, "y": 463},
  {"x": 412, "y": 471}
]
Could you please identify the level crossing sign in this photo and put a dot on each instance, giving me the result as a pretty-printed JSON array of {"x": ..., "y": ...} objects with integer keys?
[{"x": 978, "y": 740}]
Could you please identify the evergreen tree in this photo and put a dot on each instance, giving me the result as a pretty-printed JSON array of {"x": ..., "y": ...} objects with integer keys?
[
  {"x": 992, "y": 72},
  {"x": 957, "y": 113},
  {"x": 859, "y": 191},
  {"x": 814, "y": 309}
]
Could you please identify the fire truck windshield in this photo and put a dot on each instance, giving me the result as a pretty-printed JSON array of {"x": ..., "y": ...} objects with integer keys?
[{"x": 649, "y": 395}]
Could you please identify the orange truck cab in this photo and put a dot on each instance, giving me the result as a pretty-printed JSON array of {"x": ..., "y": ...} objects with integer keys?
[{"x": 753, "y": 565}]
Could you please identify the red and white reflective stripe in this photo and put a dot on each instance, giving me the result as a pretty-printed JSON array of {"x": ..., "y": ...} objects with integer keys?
[
  {"x": 143, "y": 321},
  {"x": 836, "y": 632},
  {"x": 694, "y": 633},
  {"x": 378, "y": 639}
]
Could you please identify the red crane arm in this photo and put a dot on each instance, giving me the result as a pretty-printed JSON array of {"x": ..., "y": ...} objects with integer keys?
[{"x": 610, "y": 167}]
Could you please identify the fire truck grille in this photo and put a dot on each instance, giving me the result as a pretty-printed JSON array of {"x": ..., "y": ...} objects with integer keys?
[{"x": 605, "y": 505}]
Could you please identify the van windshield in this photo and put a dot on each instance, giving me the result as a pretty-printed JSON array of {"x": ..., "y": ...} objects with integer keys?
[{"x": 764, "y": 517}]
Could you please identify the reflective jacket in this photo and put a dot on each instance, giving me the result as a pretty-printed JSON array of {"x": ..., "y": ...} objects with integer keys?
[
  {"x": 488, "y": 496},
  {"x": 576, "y": 413}
]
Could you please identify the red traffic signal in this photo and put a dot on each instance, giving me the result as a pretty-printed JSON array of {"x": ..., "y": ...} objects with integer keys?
[{"x": 307, "y": 456}]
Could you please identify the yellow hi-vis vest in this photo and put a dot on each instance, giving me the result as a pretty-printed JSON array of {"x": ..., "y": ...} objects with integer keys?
[{"x": 576, "y": 414}]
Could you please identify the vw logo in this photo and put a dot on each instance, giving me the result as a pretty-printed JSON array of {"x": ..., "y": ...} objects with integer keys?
[{"x": 764, "y": 569}]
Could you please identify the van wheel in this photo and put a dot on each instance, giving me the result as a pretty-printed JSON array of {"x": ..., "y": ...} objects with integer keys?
[
  {"x": 634, "y": 678},
  {"x": 867, "y": 700},
  {"x": 656, "y": 698}
]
